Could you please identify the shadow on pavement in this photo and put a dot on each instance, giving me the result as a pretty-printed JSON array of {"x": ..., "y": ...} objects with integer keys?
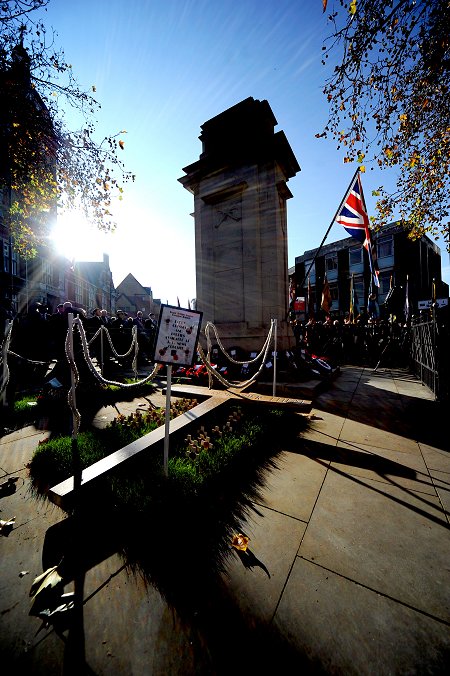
[
  {"x": 385, "y": 468},
  {"x": 181, "y": 548},
  {"x": 366, "y": 401}
]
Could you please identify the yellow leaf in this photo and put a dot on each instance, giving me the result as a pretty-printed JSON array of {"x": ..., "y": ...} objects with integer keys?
[
  {"x": 362, "y": 169},
  {"x": 49, "y": 578},
  {"x": 352, "y": 8},
  {"x": 240, "y": 542}
]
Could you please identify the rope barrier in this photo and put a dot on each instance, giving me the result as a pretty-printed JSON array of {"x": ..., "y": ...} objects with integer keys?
[
  {"x": 5, "y": 352},
  {"x": 210, "y": 325},
  {"x": 85, "y": 343},
  {"x": 94, "y": 371},
  {"x": 213, "y": 373},
  {"x": 4, "y": 361}
]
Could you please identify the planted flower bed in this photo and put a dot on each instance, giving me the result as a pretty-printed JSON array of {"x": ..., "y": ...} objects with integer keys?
[{"x": 176, "y": 530}]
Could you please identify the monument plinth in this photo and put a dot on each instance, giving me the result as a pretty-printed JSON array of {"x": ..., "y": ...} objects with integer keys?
[{"x": 240, "y": 192}]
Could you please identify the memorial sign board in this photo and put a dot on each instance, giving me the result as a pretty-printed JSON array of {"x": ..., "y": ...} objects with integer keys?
[{"x": 177, "y": 336}]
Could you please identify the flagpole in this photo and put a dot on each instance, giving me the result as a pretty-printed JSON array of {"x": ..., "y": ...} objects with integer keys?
[
  {"x": 351, "y": 314},
  {"x": 331, "y": 224}
]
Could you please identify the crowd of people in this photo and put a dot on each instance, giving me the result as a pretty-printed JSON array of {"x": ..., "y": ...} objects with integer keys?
[
  {"x": 363, "y": 342},
  {"x": 40, "y": 335}
]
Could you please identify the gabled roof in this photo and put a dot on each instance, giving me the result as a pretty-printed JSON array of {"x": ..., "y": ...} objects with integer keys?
[{"x": 130, "y": 285}]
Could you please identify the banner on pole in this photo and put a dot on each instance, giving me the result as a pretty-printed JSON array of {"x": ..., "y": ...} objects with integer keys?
[
  {"x": 177, "y": 336},
  {"x": 300, "y": 304}
]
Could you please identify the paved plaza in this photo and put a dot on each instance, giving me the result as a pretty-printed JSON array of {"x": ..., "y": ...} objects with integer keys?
[{"x": 347, "y": 573}]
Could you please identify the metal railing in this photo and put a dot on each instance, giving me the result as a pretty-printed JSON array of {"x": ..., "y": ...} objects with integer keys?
[{"x": 429, "y": 356}]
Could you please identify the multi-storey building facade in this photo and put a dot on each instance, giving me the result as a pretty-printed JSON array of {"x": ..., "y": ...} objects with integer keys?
[
  {"x": 89, "y": 285},
  {"x": 399, "y": 259}
]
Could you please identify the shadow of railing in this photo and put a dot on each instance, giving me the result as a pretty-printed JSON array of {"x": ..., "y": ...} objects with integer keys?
[
  {"x": 400, "y": 413},
  {"x": 387, "y": 470}
]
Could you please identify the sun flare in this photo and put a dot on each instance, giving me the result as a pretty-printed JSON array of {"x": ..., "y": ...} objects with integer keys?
[{"x": 74, "y": 238}]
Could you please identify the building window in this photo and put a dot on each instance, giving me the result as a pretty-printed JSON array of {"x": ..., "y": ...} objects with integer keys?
[
  {"x": 5, "y": 257},
  {"x": 47, "y": 273},
  {"x": 331, "y": 262},
  {"x": 14, "y": 261},
  {"x": 334, "y": 291},
  {"x": 385, "y": 246},
  {"x": 358, "y": 285},
  {"x": 385, "y": 282},
  {"x": 355, "y": 256},
  {"x": 312, "y": 272},
  {"x": 78, "y": 292}
]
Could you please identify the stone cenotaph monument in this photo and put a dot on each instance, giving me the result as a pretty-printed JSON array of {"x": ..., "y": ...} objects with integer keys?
[{"x": 240, "y": 191}]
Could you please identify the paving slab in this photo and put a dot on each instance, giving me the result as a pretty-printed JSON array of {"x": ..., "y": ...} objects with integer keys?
[
  {"x": 441, "y": 481},
  {"x": 373, "y": 380},
  {"x": 345, "y": 628},
  {"x": 436, "y": 458},
  {"x": 292, "y": 489},
  {"x": 396, "y": 467},
  {"x": 334, "y": 402},
  {"x": 361, "y": 433},
  {"x": 325, "y": 427},
  {"x": 21, "y": 553},
  {"x": 274, "y": 541},
  {"x": 156, "y": 641},
  {"x": 389, "y": 539}
]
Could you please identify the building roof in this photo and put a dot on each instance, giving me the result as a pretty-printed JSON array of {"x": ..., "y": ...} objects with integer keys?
[{"x": 131, "y": 286}]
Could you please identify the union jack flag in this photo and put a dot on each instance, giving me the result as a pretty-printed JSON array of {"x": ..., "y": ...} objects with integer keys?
[{"x": 353, "y": 217}]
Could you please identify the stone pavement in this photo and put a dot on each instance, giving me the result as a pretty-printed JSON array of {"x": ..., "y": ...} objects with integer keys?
[{"x": 348, "y": 569}]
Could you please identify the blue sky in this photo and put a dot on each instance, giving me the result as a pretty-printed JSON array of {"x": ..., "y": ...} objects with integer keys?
[{"x": 163, "y": 68}]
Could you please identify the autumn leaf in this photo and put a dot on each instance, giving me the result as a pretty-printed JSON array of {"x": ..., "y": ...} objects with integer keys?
[
  {"x": 46, "y": 591},
  {"x": 121, "y": 144},
  {"x": 240, "y": 542},
  {"x": 48, "y": 579}
]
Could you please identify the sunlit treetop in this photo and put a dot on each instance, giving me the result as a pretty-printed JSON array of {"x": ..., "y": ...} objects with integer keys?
[
  {"x": 43, "y": 163},
  {"x": 390, "y": 104}
]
